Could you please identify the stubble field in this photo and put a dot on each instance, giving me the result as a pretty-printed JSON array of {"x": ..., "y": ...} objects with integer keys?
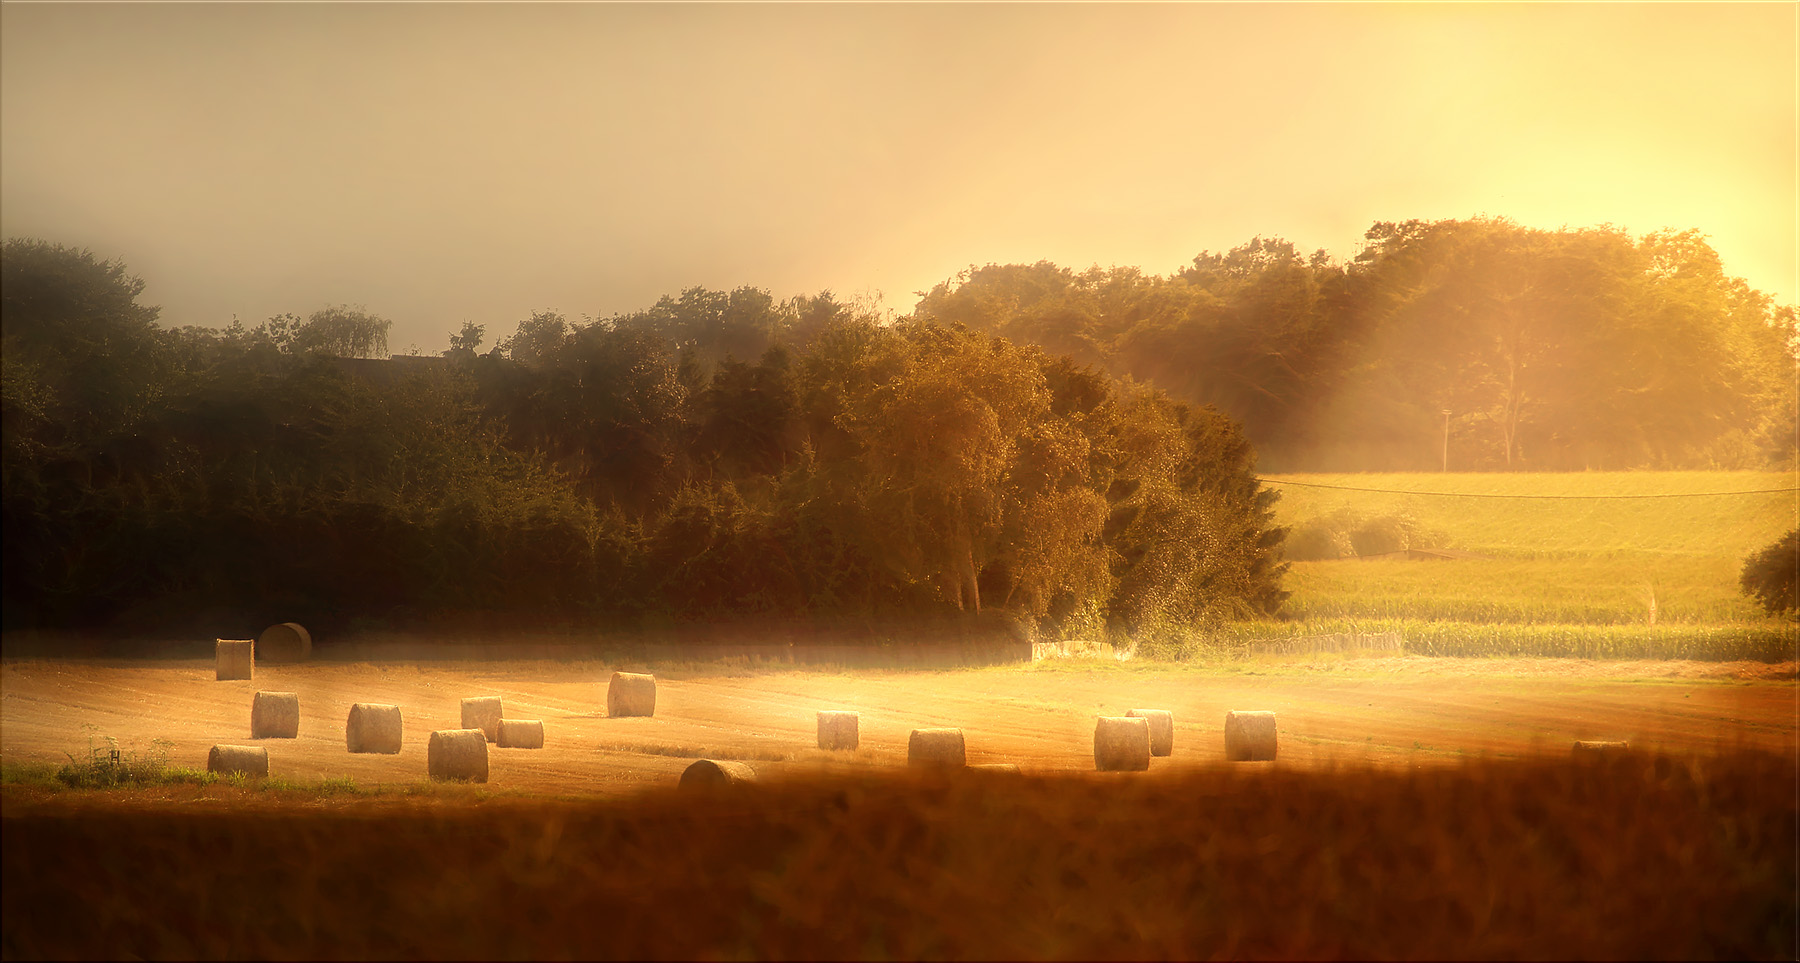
[{"x": 1399, "y": 711}]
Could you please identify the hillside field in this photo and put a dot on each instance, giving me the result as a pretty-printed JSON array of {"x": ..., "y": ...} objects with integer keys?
[{"x": 1582, "y": 573}]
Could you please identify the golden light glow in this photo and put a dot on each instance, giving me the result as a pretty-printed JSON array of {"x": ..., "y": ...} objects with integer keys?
[{"x": 448, "y": 163}]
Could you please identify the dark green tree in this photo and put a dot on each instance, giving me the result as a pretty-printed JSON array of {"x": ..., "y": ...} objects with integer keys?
[
  {"x": 463, "y": 346},
  {"x": 610, "y": 473},
  {"x": 1771, "y": 575},
  {"x": 80, "y": 349}
]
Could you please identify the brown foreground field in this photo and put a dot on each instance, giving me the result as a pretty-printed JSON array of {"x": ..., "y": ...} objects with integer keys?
[{"x": 1418, "y": 809}]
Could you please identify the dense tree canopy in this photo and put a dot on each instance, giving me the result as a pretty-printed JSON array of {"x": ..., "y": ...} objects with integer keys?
[
  {"x": 1007, "y": 448},
  {"x": 720, "y": 455},
  {"x": 1550, "y": 349}
]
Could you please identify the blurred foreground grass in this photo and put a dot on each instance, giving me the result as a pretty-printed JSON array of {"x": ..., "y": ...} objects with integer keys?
[{"x": 1645, "y": 857}]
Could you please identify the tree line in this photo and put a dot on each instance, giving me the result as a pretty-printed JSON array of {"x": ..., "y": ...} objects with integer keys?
[
  {"x": 1072, "y": 449},
  {"x": 1476, "y": 343},
  {"x": 719, "y": 455}
]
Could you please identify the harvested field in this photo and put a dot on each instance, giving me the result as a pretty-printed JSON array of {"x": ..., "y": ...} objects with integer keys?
[
  {"x": 1388, "y": 767},
  {"x": 1390, "y": 712}
]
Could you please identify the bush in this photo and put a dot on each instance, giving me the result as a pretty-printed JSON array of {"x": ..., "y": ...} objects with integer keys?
[
  {"x": 1383, "y": 534},
  {"x": 1316, "y": 540},
  {"x": 1346, "y": 532},
  {"x": 1772, "y": 575}
]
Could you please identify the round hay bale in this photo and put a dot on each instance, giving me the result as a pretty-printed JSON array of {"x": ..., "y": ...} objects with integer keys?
[
  {"x": 709, "y": 773},
  {"x": 937, "y": 747},
  {"x": 482, "y": 712},
  {"x": 234, "y": 658},
  {"x": 286, "y": 642},
  {"x": 373, "y": 727},
  {"x": 1122, "y": 744},
  {"x": 249, "y": 760},
  {"x": 1588, "y": 749},
  {"x": 520, "y": 734},
  {"x": 1162, "y": 729},
  {"x": 275, "y": 715},
  {"x": 631, "y": 694},
  {"x": 838, "y": 730},
  {"x": 1249, "y": 736},
  {"x": 457, "y": 754}
]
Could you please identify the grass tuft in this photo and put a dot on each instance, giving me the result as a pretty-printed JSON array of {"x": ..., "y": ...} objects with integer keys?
[{"x": 106, "y": 766}]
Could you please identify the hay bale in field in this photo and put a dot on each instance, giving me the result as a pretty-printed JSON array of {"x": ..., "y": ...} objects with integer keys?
[
  {"x": 708, "y": 773},
  {"x": 1249, "y": 736},
  {"x": 631, "y": 694},
  {"x": 286, "y": 642},
  {"x": 373, "y": 727},
  {"x": 1122, "y": 744},
  {"x": 275, "y": 715},
  {"x": 520, "y": 734},
  {"x": 936, "y": 747},
  {"x": 839, "y": 730},
  {"x": 457, "y": 754},
  {"x": 1590, "y": 749},
  {"x": 1162, "y": 729},
  {"x": 249, "y": 760},
  {"x": 482, "y": 712},
  {"x": 234, "y": 658}
]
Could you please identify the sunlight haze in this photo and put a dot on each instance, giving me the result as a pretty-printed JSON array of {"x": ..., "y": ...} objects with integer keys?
[{"x": 446, "y": 163}]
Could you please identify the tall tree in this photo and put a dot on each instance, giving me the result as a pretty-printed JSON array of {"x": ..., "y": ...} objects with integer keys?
[
  {"x": 343, "y": 332},
  {"x": 81, "y": 350}
]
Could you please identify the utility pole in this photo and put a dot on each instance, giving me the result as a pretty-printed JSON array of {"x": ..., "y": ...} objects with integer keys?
[{"x": 1446, "y": 439}]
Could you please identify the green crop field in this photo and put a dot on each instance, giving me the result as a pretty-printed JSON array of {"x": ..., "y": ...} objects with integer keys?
[{"x": 1571, "y": 575}]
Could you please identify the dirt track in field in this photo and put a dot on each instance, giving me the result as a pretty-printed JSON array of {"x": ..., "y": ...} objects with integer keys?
[{"x": 1389, "y": 712}]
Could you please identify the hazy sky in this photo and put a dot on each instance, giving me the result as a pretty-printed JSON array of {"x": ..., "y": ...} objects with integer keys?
[{"x": 438, "y": 163}]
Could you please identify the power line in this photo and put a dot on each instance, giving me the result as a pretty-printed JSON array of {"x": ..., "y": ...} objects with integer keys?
[{"x": 1395, "y": 491}]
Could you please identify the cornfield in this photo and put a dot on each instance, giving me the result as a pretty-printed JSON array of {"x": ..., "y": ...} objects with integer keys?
[{"x": 1593, "y": 570}]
